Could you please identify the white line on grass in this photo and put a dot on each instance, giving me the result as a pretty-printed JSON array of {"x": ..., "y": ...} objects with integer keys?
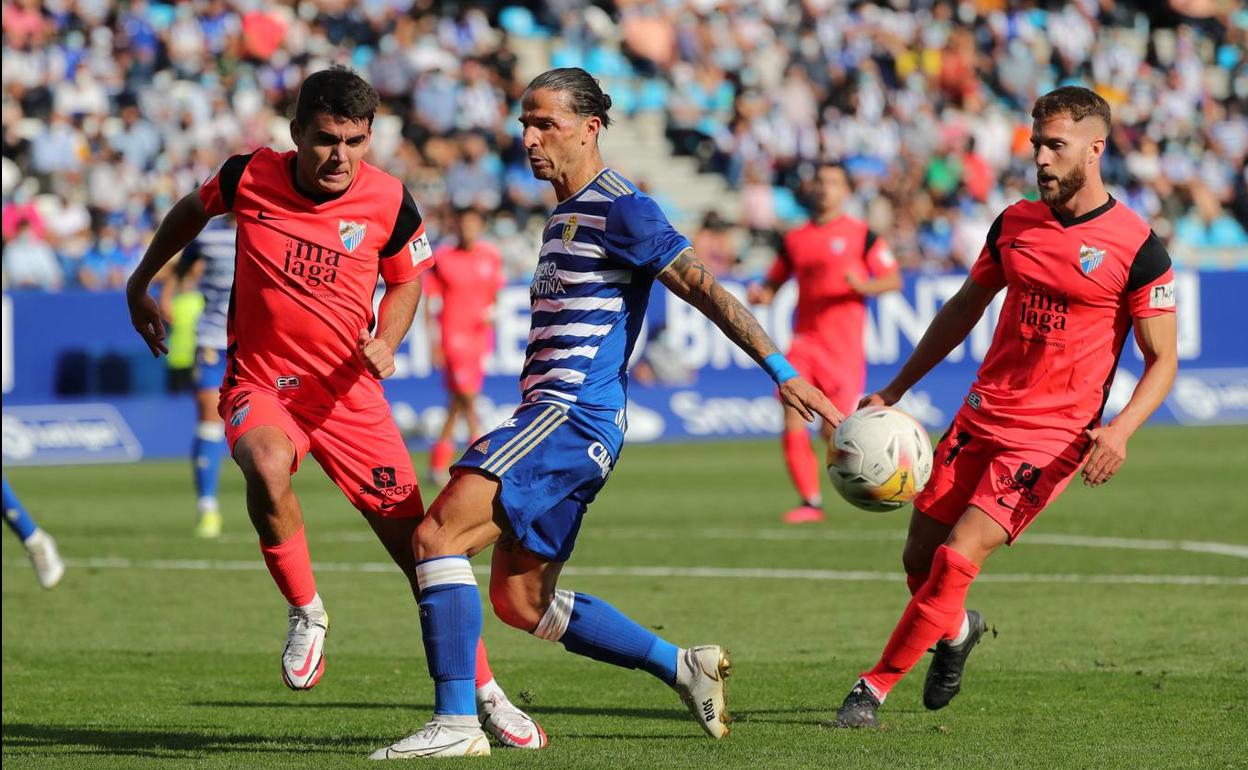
[
  {"x": 804, "y": 534},
  {"x": 214, "y": 565}
]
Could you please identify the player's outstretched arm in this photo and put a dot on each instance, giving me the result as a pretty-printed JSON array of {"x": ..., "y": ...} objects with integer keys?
[
  {"x": 179, "y": 227},
  {"x": 1158, "y": 340},
  {"x": 948, "y": 329},
  {"x": 688, "y": 278}
]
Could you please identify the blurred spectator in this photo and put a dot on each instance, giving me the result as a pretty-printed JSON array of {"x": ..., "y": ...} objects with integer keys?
[
  {"x": 30, "y": 263},
  {"x": 116, "y": 110}
]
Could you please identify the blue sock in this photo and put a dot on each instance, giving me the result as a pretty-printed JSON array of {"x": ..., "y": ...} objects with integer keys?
[
  {"x": 207, "y": 451},
  {"x": 597, "y": 630},
  {"x": 450, "y": 623},
  {"x": 15, "y": 515}
]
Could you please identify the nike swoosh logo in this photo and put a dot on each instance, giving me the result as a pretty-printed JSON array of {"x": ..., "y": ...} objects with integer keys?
[
  {"x": 266, "y": 217},
  {"x": 307, "y": 664},
  {"x": 517, "y": 739},
  {"x": 1001, "y": 502}
]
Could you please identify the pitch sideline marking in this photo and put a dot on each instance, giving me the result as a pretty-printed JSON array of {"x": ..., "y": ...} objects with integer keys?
[
  {"x": 209, "y": 565},
  {"x": 800, "y": 534}
]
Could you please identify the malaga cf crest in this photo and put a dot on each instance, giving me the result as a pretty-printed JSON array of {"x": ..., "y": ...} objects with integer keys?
[
  {"x": 569, "y": 229},
  {"x": 351, "y": 234},
  {"x": 1090, "y": 258}
]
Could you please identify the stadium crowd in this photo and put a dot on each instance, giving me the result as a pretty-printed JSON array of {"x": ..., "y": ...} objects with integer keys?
[{"x": 111, "y": 111}]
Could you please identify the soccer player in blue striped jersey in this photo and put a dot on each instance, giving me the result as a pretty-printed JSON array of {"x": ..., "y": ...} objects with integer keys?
[
  {"x": 525, "y": 486},
  {"x": 214, "y": 249}
]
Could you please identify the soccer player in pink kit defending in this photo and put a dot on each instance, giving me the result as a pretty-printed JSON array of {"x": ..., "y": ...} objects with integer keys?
[
  {"x": 1080, "y": 271},
  {"x": 464, "y": 280},
  {"x": 837, "y": 262},
  {"x": 306, "y": 354}
]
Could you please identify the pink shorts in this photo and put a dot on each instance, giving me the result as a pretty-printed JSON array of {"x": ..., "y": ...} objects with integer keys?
[
  {"x": 1010, "y": 483},
  {"x": 359, "y": 447},
  {"x": 840, "y": 383}
]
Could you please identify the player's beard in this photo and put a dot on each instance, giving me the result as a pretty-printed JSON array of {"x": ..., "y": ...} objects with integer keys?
[{"x": 1067, "y": 186}]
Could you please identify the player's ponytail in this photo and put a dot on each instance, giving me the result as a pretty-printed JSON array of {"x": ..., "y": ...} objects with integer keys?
[{"x": 585, "y": 95}]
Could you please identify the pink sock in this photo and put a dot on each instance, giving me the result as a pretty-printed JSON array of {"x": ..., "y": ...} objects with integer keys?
[
  {"x": 484, "y": 674},
  {"x": 291, "y": 568},
  {"x": 803, "y": 466},
  {"x": 934, "y": 613}
]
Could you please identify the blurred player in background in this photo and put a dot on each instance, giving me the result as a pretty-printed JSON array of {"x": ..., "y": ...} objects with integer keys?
[
  {"x": 525, "y": 486},
  {"x": 463, "y": 284},
  {"x": 837, "y": 262},
  {"x": 39, "y": 545},
  {"x": 306, "y": 355},
  {"x": 1080, "y": 271},
  {"x": 210, "y": 257}
]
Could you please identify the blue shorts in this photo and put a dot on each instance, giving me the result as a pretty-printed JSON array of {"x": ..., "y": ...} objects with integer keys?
[
  {"x": 209, "y": 368},
  {"x": 550, "y": 461}
]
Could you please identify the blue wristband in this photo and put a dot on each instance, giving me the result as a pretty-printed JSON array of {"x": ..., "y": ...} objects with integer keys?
[{"x": 779, "y": 368}]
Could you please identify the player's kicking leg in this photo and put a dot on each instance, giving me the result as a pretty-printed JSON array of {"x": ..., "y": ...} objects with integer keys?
[
  {"x": 935, "y": 613},
  {"x": 524, "y": 596}
]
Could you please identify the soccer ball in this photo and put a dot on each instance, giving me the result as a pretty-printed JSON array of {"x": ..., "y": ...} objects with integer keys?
[{"x": 880, "y": 458}]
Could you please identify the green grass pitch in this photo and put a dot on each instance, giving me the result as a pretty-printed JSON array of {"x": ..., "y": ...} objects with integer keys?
[{"x": 1120, "y": 626}]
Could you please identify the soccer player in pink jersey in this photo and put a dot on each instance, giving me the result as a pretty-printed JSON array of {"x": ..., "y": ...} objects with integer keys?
[
  {"x": 464, "y": 282},
  {"x": 837, "y": 262},
  {"x": 1080, "y": 271}
]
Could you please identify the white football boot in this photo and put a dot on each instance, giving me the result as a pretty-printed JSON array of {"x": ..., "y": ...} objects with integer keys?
[
  {"x": 701, "y": 679},
  {"x": 510, "y": 726},
  {"x": 41, "y": 549},
  {"x": 303, "y": 660},
  {"x": 444, "y": 736}
]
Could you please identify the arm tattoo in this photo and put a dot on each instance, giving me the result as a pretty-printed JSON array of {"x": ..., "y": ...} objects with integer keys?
[{"x": 688, "y": 278}]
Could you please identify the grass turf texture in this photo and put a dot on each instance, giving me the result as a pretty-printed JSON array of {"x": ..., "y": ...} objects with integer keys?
[{"x": 157, "y": 668}]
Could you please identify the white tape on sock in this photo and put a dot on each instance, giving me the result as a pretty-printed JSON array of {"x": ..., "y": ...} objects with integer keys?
[
  {"x": 554, "y": 623},
  {"x": 451, "y": 570},
  {"x": 210, "y": 431}
]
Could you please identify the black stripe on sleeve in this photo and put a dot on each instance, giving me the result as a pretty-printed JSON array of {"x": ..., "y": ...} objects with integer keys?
[
  {"x": 994, "y": 235},
  {"x": 229, "y": 176},
  {"x": 1151, "y": 262},
  {"x": 406, "y": 223},
  {"x": 871, "y": 239}
]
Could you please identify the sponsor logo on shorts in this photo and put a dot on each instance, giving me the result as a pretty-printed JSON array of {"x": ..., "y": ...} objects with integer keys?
[
  {"x": 974, "y": 400},
  {"x": 290, "y": 382},
  {"x": 1027, "y": 475},
  {"x": 239, "y": 408},
  {"x": 601, "y": 457},
  {"x": 384, "y": 477},
  {"x": 1023, "y": 482}
]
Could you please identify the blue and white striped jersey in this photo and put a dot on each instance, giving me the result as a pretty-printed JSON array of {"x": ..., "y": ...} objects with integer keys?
[
  {"x": 215, "y": 245},
  {"x": 602, "y": 248}
]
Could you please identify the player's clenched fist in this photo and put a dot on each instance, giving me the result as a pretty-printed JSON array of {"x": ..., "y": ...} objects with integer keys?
[{"x": 375, "y": 354}]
